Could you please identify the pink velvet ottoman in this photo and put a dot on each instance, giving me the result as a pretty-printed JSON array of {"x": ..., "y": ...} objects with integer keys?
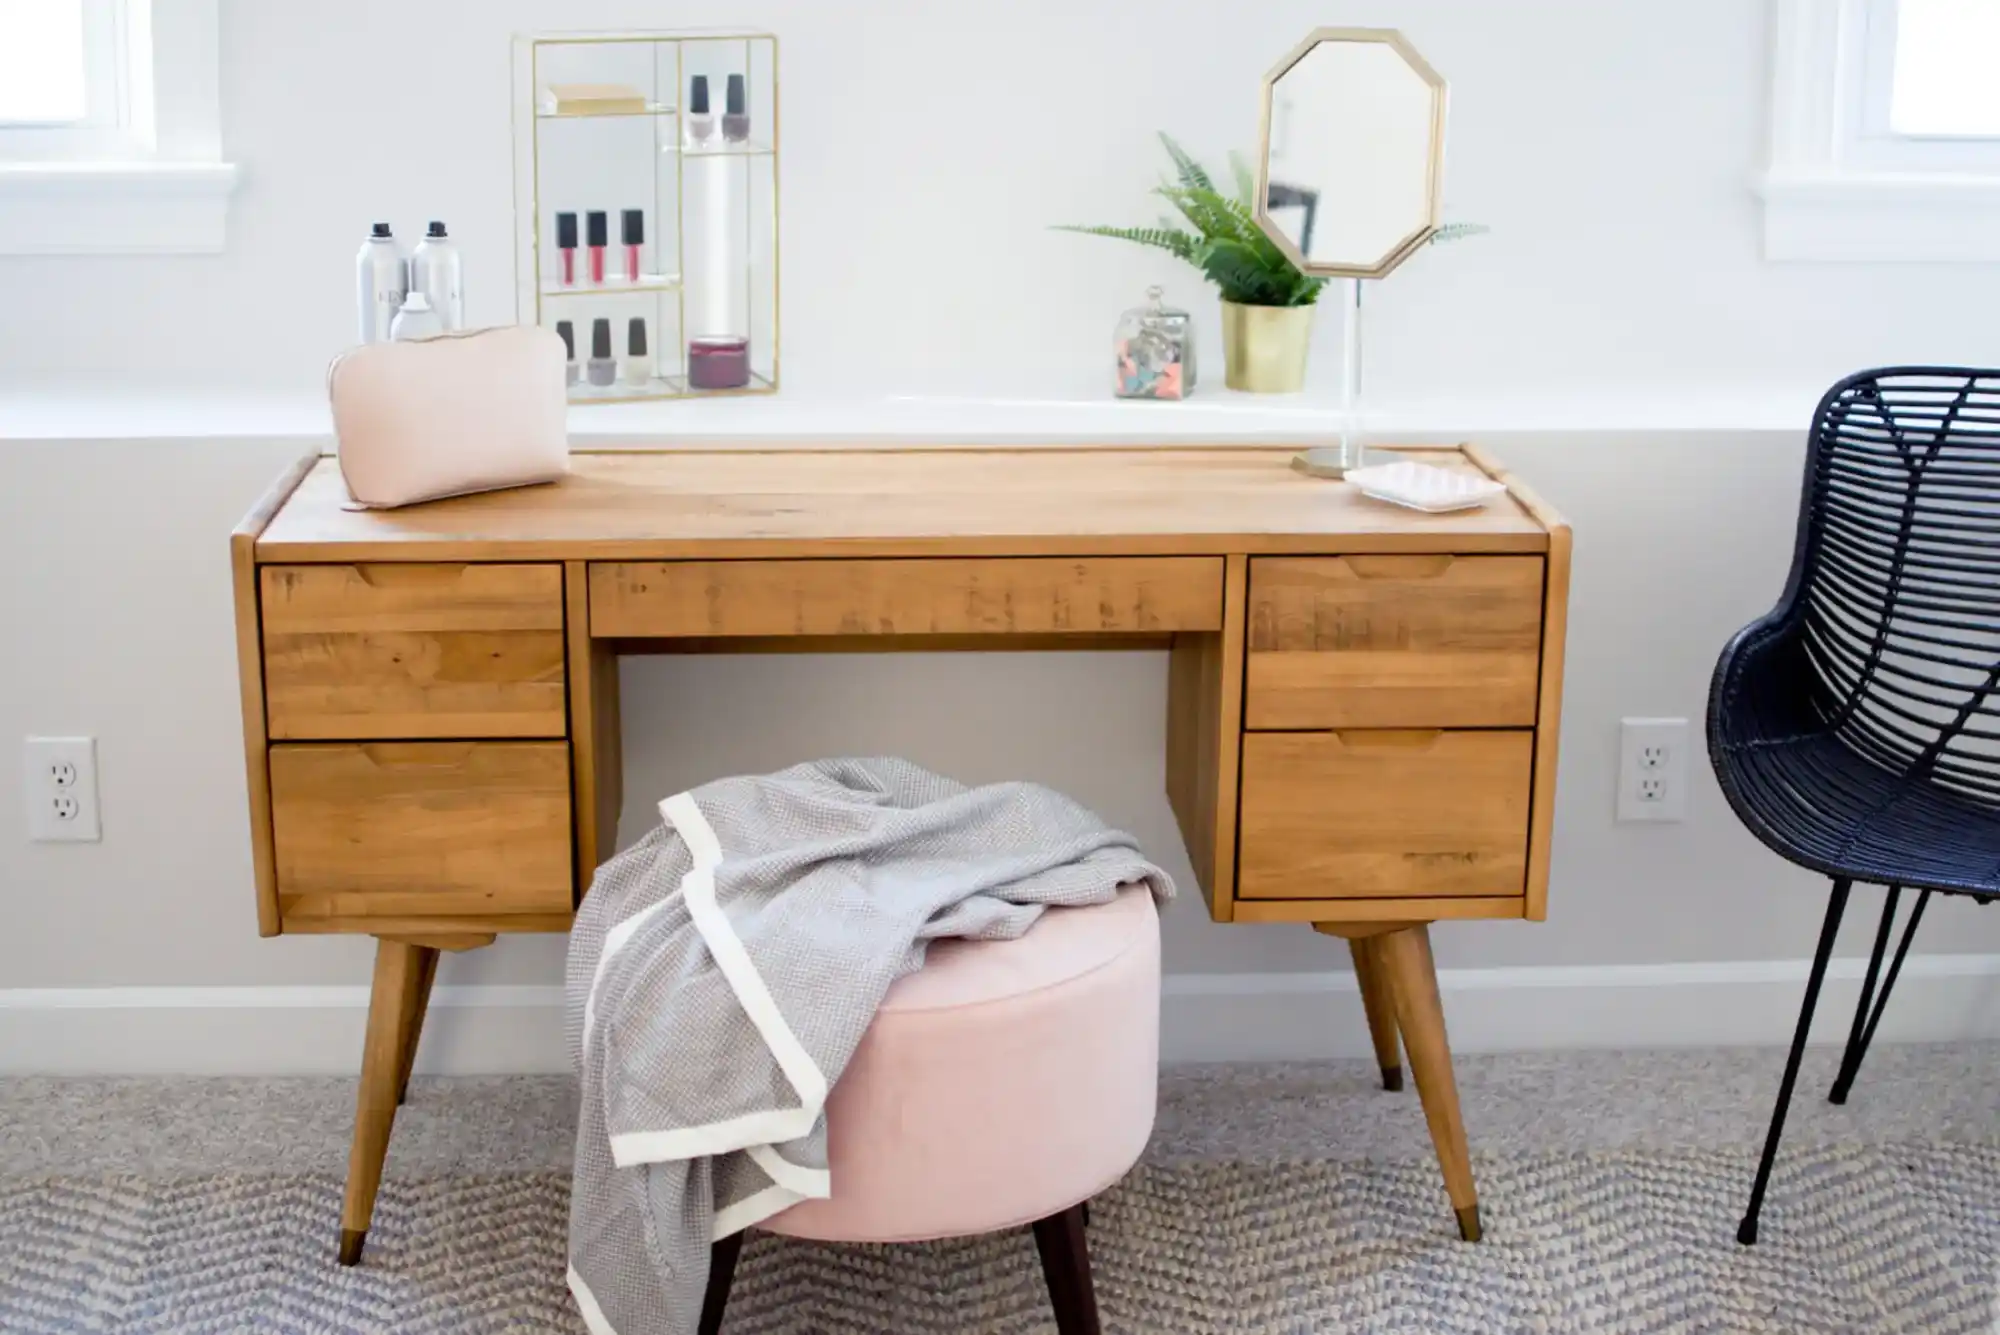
[{"x": 1005, "y": 1083}]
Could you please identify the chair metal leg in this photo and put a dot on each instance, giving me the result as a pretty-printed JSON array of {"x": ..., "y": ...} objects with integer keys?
[
  {"x": 1863, "y": 1035},
  {"x": 1847, "y": 1057},
  {"x": 1746, "y": 1233},
  {"x": 1066, "y": 1266},
  {"x": 722, "y": 1256}
]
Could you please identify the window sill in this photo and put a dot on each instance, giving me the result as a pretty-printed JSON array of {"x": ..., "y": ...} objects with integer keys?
[
  {"x": 1880, "y": 217},
  {"x": 114, "y": 208}
]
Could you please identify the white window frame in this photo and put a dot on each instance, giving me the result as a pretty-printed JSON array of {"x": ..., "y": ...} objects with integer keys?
[
  {"x": 1840, "y": 186},
  {"x": 143, "y": 173}
]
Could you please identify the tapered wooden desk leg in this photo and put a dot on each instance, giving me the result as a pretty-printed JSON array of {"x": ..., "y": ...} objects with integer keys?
[
  {"x": 1380, "y": 1005},
  {"x": 391, "y": 1007},
  {"x": 427, "y": 967},
  {"x": 1405, "y": 956}
]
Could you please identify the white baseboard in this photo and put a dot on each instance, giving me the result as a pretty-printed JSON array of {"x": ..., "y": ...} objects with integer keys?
[{"x": 1205, "y": 1017}]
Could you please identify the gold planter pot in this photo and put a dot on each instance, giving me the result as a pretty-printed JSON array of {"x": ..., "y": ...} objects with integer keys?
[{"x": 1264, "y": 347}]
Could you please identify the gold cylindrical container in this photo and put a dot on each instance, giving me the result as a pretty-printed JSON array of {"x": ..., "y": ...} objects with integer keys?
[{"x": 1264, "y": 347}]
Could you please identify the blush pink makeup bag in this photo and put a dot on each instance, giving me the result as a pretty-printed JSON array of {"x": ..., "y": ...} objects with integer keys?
[{"x": 473, "y": 411}]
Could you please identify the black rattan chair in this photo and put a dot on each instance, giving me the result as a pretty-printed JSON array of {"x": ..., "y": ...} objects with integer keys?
[{"x": 1856, "y": 729}]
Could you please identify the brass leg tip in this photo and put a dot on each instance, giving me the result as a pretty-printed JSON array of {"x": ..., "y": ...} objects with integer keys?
[
  {"x": 1392, "y": 1079},
  {"x": 351, "y": 1242},
  {"x": 1468, "y": 1223}
]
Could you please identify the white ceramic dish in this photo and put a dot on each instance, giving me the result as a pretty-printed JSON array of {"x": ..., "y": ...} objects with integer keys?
[{"x": 1422, "y": 487}]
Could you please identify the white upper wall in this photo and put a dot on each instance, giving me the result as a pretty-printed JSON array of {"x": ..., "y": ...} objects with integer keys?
[{"x": 928, "y": 147}]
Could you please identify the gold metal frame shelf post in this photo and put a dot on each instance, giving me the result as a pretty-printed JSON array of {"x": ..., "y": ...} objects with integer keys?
[{"x": 543, "y": 61}]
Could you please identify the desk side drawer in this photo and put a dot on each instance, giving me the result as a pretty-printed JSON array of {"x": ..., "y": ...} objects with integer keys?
[
  {"x": 1020, "y": 596},
  {"x": 367, "y": 651},
  {"x": 1425, "y": 641},
  {"x": 1385, "y": 814},
  {"x": 391, "y": 829}
]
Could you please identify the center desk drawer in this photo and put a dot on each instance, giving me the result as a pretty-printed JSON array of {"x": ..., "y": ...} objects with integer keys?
[
  {"x": 1368, "y": 814},
  {"x": 927, "y": 596},
  {"x": 421, "y": 828},
  {"x": 1423, "y": 641},
  {"x": 361, "y": 651}
]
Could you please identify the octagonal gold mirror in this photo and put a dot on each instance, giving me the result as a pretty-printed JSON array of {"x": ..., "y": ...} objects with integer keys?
[{"x": 1351, "y": 165}]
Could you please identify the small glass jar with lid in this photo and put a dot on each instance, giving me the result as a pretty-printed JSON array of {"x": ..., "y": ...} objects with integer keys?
[{"x": 1154, "y": 346}]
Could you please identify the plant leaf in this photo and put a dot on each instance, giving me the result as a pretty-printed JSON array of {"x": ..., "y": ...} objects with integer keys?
[
  {"x": 1226, "y": 243},
  {"x": 1458, "y": 232},
  {"x": 1246, "y": 181},
  {"x": 1183, "y": 245},
  {"x": 1192, "y": 173}
]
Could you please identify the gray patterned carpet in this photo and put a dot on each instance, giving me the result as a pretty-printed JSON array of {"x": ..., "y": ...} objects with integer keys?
[
  {"x": 1280, "y": 1201},
  {"x": 1902, "y": 1239}
]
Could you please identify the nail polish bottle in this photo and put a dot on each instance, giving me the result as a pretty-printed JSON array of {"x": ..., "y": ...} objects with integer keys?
[
  {"x": 632, "y": 231},
  {"x": 700, "y": 123},
  {"x": 566, "y": 244},
  {"x": 567, "y": 332},
  {"x": 599, "y": 236},
  {"x": 603, "y": 370},
  {"x": 638, "y": 368},
  {"x": 735, "y": 119}
]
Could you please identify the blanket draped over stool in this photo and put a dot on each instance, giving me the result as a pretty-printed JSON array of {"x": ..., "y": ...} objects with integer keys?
[{"x": 723, "y": 969}]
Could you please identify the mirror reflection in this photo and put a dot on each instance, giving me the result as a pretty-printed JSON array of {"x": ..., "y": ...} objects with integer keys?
[{"x": 1353, "y": 138}]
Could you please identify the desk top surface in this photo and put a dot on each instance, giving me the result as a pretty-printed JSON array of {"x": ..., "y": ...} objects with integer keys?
[{"x": 1045, "y": 501}]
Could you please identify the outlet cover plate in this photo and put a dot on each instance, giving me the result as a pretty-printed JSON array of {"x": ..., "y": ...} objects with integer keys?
[
  {"x": 59, "y": 780},
  {"x": 1653, "y": 769}
]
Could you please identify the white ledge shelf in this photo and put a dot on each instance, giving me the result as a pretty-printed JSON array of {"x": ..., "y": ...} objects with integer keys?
[{"x": 114, "y": 408}]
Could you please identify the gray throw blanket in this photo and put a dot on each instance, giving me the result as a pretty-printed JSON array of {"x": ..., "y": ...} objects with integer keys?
[{"x": 723, "y": 969}]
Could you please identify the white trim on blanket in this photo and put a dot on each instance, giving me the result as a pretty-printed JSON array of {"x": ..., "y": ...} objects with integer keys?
[
  {"x": 810, "y": 1183},
  {"x": 586, "y": 1303},
  {"x": 698, "y": 888},
  {"x": 614, "y": 941},
  {"x": 753, "y": 1210},
  {"x": 769, "y": 1126},
  {"x": 751, "y": 1131}
]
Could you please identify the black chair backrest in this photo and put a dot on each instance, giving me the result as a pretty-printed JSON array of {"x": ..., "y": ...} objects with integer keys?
[{"x": 1895, "y": 584}]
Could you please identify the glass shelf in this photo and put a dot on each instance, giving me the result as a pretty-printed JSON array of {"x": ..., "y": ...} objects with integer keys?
[
  {"x": 758, "y": 385},
  {"x": 650, "y": 109},
  {"x": 749, "y": 148},
  {"x": 614, "y": 287},
  {"x": 662, "y": 386}
]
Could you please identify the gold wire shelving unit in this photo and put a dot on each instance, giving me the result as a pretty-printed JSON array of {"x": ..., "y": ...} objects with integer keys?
[{"x": 700, "y": 195}]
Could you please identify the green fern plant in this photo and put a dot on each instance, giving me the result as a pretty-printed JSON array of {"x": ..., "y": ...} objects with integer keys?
[
  {"x": 1226, "y": 243},
  {"x": 1218, "y": 234}
]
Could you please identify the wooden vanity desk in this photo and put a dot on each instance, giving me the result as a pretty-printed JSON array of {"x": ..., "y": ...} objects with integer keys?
[{"x": 1362, "y": 700}]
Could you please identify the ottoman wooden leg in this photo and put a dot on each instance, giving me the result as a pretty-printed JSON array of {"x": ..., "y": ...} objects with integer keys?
[
  {"x": 1065, "y": 1253},
  {"x": 1380, "y": 1005},
  {"x": 1405, "y": 956},
  {"x": 722, "y": 1256}
]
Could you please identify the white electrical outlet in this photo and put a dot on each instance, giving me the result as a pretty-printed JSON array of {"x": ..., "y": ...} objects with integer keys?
[
  {"x": 61, "y": 787},
  {"x": 1652, "y": 769}
]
